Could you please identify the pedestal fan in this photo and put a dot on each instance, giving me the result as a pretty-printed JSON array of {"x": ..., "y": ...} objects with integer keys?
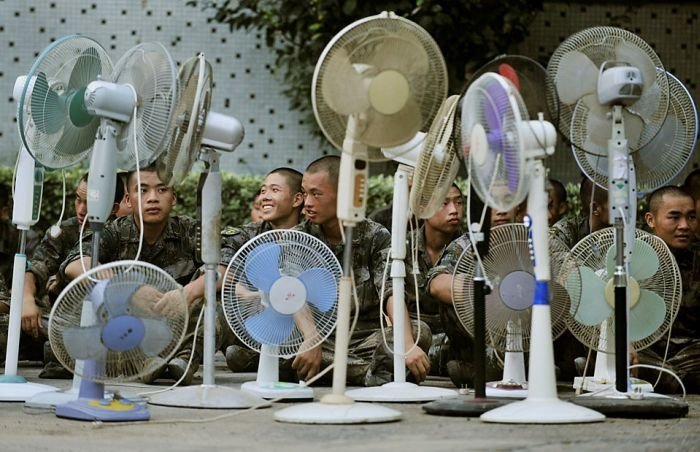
[{"x": 378, "y": 82}]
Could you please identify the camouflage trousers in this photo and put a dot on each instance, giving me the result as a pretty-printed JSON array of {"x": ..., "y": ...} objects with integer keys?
[
  {"x": 30, "y": 348},
  {"x": 683, "y": 360}
]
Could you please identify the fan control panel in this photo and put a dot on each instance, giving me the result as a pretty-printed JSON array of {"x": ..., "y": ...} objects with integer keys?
[{"x": 352, "y": 188}]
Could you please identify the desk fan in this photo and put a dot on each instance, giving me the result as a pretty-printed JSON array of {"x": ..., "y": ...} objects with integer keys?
[
  {"x": 198, "y": 133},
  {"x": 110, "y": 318},
  {"x": 280, "y": 296},
  {"x": 436, "y": 167},
  {"x": 614, "y": 107},
  {"x": 377, "y": 82},
  {"x": 505, "y": 153},
  {"x": 58, "y": 77}
]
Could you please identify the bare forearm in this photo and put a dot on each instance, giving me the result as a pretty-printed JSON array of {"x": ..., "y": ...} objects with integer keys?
[
  {"x": 441, "y": 288},
  {"x": 75, "y": 268}
]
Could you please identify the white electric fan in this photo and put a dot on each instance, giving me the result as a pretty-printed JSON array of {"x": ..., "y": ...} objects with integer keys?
[
  {"x": 110, "y": 318},
  {"x": 377, "y": 82},
  {"x": 198, "y": 133},
  {"x": 614, "y": 95},
  {"x": 280, "y": 296},
  {"x": 436, "y": 167},
  {"x": 505, "y": 152},
  {"x": 48, "y": 116},
  {"x": 508, "y": 266}
]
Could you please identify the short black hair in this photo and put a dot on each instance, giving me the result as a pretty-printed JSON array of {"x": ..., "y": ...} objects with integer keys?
[
  {"x": 149, "y": 169},
  {"x": 656, "y": 197},
  {"x": 558, "y": 189},
  {"x": 119, "y": 188},
  {"x": 5, "y": 195},
  {"x": 588, "y": 187},
  {"x": 692, "y": 183},
  {"x": 328, "y": 163},
  {"x": 292, "y": 176}
]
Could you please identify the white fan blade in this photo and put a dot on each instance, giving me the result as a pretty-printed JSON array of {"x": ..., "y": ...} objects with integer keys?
[
  {"x": 576, "y": 77},
  {"x": 644, "y": 261},
  {"x": 391, "y": 54},
  {"x": 343, "y": 86},
  {"x": 647, "y": 315},
  {"x": 391, "y": 130},
  {"x": 156, "y": 337},
  {"x": 632, "y": 54},
  {"x": 84, "y": 342},
  {"x": 588, "y": 289}
]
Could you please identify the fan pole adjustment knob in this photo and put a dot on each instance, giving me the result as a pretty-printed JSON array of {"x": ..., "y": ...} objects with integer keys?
[{"x": 287, "y": 295}]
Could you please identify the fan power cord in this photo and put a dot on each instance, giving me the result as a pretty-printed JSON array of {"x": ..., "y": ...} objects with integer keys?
[
  {"x": 661, "y": 369},
  {"x": 55, "y": 229}
]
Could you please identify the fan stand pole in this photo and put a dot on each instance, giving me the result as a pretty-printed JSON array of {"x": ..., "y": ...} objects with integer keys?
[
  {"x": 514, "y": 383},
  {"x": 399, "y": 390},
  {"x": 209, "y": 394},
  {"x": 267, "y": 384}
]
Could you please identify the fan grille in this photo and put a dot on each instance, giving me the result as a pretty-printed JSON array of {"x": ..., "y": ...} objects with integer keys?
[
  {"x": 53, "y": 123},
  {"x": 591, "y": 252},
  {"x": 356, "y": 58},
  {"x": 119, "y": 365},
  {"x": 299, "y": 252},
  {"x": 150, "y": 70},
  {"x": 507, "y": 259}
]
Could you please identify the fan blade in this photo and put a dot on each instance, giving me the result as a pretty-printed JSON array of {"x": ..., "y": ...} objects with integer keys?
[
  {"x": 644, "y": 262},
  {"x": 647, "y": 315},
  {"x": 343, "y": 86},
  {"x": 118, "y": 292},
  {"x": 496, "y": 106},
  {"x": 262, "y": 266},
  {"x": 270, "y": 327},
  {"x": 47, "y": 110},
  {"x": 157, "y": 336},
  {"x": 87, "y": 68},
  {"x": 577, "y": 76},
  {"x": 507, "y": 71},
  {"x": 391, "y": 53},
  {"x": 392, "y": 130},
  {"x": 84, "y": 342},
  {"x": 321, "y": 288},
  {"x": 588, "y": 289},
  {"x": 631, "y": 53}
]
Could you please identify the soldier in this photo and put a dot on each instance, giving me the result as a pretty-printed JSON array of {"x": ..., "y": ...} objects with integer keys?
[
  {"x": 557, "y": 204},
  {"x": 594, "y": 216},
  {"x": 9, "y": 236}
]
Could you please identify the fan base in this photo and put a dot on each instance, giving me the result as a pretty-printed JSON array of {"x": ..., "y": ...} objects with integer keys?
[
  {"x": 208, "y": 396},
  {"x": 18, "y": 389},
  {"x": 106, "y": 410},
  {"x": 542, "y": 411},
  {"x": 597, "y": 385},
  {"x": 278, "y": 390},
  {"x": 648, "y": 406},
  {"x": 331, "y": 413},
  {"x": 496, "y": 389},
  {"x": 463, "y": 406},
  {"x": 400, "y": 392}
]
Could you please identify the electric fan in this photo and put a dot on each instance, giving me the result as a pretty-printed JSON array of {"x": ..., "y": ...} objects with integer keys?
[
  {"x": 49, "y": 117},
  {"x": 655, "y": 296},
  {"x": 614, "y": 107},
  {"x": 377, "y": 82},
  {"x": 279, "y": 296},
  {"x": 505, "y": 153},
  {"x": 198, "y": 133},
  {"x": 435, "y": 169},
  {"x": 509, "y": 305},
  {"x": 111, "y": 319}
]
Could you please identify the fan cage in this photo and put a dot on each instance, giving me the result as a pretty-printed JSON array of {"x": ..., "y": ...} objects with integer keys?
[
  {"x": 129, "y": 365},
  {"x": 241, "y": 300},
  {"x": 591, "y": 252},
  {"x": 409, "y": 50},
  {"x": 508, "y": 252},
  {"x": 68, "y": 65}
]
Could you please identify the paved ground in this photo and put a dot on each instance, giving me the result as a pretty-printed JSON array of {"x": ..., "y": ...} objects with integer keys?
[{"x": 22, "y": 429}]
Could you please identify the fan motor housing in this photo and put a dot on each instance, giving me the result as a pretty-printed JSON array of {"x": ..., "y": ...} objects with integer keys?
[{"x": 619, "y": 83}]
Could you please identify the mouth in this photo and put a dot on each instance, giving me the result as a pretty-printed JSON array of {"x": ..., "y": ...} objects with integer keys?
[
  {"x": 266, "y": 207},
  {"x": 152, "y": 211}
]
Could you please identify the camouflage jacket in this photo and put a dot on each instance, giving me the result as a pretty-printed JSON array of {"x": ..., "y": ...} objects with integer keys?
[
  {"x": 52, "y": 251},
  {"x": 9, "y": 241},
  {"x": 4, "y": 291},
  {"x": 371, "y": 244},
  {"x": 686, "y": 327},
  {"x": 175, "y": 251},
  {"x": 233, "y": 238},
  {"x": 569, "y": 231}
]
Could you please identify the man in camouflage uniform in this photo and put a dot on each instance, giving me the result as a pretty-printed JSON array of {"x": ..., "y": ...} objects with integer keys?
[
  {"x": 368, "y": 364},
  {"x": 9, "y": 236},
  {"x": 4, "y": 318},
  {"x": 169, "y": 242},
  {"x": 281, "y": 202},
  {"x": 672, "y": 217}
]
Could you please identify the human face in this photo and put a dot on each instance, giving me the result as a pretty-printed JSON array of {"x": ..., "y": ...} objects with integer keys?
[
  {"x": 320, "y": 198},
  {"x": 499, "y": 217},
  {"x": 277, "y": 202},
  {"x": 157, "y": 199},
  {"x": 81, "y": 209},
  {"x": 256, "y": 210},
  {"x": 674, "y": 221},
  {"x": 555, "y": 208},
  {"x": 449, "y": 218}
]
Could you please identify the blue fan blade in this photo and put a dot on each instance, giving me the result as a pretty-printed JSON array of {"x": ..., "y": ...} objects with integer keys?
[
  {"x": 647, "y": 315},
  {"x": 321, "y": 288},
  {"x": 262, "y": 266},
  {"x": 270, "y": 327},
  {"x": 119, "y": 290},
  {"x": 47, "y": 110},
  {"x": 496, "y": 107},
  {"x": 587, "y": 292},
  {"x": 157, "y": 336},
  {"x": 84, "y": 342}
]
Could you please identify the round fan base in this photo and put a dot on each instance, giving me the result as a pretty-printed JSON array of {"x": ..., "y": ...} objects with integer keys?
[
  {"x": 649, "y": 406},
  {"x": 208, "y": 396},
  {"x": 108, "y": 410},
  {"x": 400, "y": 392},
  {"x": 463, "y": 406},
  {"x": 278, "y": 390},
  {"x": 20, "y": 391},
  {"x": 330, "y": 413},
  {"x": 542, "y": 411},
  {"x": 492, "y": 390}
]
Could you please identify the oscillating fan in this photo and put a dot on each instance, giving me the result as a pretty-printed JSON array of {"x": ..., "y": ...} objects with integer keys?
[
  {"x": 57, "y": 79},
  {"x": 613, "y": 107},
  {"x": 111, "y": 319},
  {"x": 279, "y": 296},
  {"x": 655, "y": 288},
  {"x": 436, "y": 167},
  {"x": 509, "y": 305},
  {"x": 377, "y": 82},
  {"x": 505, "y": 153},
  {"x": 198, "y": 133}
]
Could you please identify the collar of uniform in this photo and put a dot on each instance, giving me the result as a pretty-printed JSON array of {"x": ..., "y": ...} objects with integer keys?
[{"x": 169, "y": 233}]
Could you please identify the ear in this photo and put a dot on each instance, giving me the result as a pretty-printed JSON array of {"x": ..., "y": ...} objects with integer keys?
[
  {"x": 174, "y": 198},
  {"x": 298, "y": 199},
  {"x": 649, "y": 218},
  {"x": 128, "y": 200},
  {"x": 115, "y": 209}
]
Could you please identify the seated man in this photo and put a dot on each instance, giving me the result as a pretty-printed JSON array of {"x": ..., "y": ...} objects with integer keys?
[
  {"x": 594, "y": 216},
  {"x": 557, "y": 204},
  {"x": 169, "y": 242},
  {"x": 672, "y": 217},
  {"x": 368, "y": 364},
  {"x": 692, "y": 186},
  {"x": 281, "y": 201},
  {"x": 9, "y": 235}
]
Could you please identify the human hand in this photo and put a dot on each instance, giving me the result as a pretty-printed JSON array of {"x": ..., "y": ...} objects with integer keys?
[
  {"x": 31, "y": 316},
  {"x": 418, "y": 363},
  {"x": 308, "y": 363}
]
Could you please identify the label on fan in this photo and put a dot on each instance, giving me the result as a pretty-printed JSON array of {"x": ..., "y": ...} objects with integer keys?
[
  {"x": 38, "y": 188},
  {"x": 359, "y": 196}
]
